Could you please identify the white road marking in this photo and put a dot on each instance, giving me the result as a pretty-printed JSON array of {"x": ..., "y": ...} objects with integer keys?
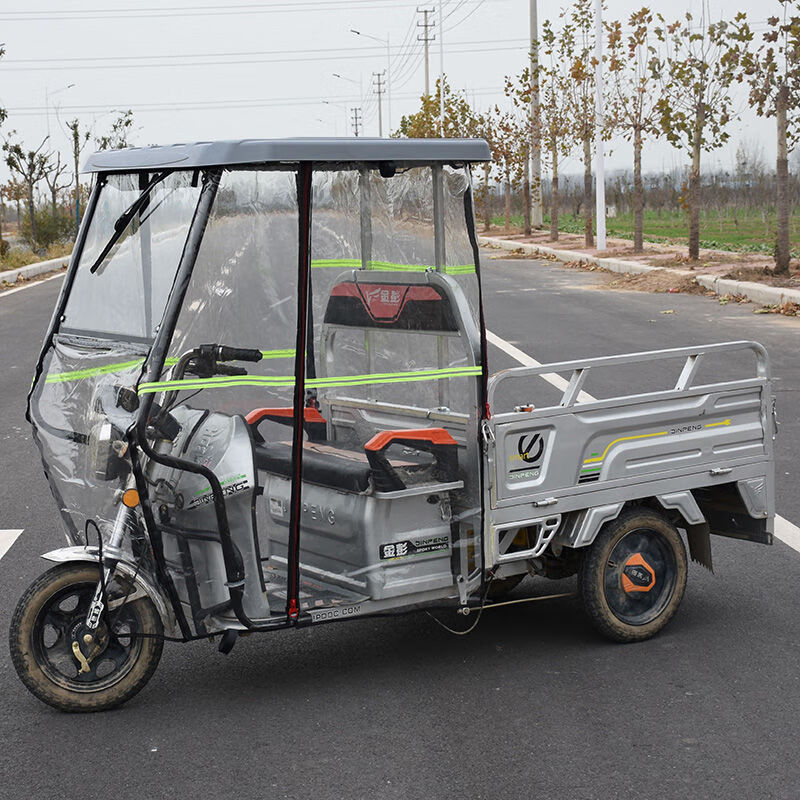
[
  {"x": 7, "y": 538},
  {"x": 528, "y": 361},
  {"x": 787, "y": 532},
  {"x": 29, "y": 284},
  {"x": 784, "y": 530}
]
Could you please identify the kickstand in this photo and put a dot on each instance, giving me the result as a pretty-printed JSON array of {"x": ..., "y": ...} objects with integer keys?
[{"x": 227, "y": 641}]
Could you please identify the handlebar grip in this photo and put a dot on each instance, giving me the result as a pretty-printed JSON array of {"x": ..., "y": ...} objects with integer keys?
[
  {"x": 237, "y": 354},
  {"x": 222, "y": 369}
]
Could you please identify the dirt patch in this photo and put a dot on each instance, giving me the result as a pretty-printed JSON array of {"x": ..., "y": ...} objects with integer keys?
[
  {"x": 767, "y": 276},
  {"x": 658, "y": 281}
]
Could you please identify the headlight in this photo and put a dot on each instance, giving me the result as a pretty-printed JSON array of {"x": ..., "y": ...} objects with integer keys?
[{"x": 107, "y": 449}]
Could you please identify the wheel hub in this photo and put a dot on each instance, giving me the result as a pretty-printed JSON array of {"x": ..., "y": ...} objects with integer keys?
[{"x": 637, "y": 575}]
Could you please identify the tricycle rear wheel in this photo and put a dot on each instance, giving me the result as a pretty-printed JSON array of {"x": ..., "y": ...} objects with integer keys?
[
  {"x": 51, "y": 614},
  {"x": 633, "y": 576}
]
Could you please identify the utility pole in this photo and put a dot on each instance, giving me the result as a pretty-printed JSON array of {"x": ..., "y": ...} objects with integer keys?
[
  {"x": 379, "y": 90},
  {"x": 426, "y": 25},
  {"x": 536, "y": 138},
  {"x": 441, "y": 71},
  {"x": 599, "y": 166},
  {"x": 356, "y": 120}
]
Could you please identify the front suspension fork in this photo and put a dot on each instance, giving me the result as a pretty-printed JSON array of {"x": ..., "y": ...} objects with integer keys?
[{"x": 124, "y": 519}]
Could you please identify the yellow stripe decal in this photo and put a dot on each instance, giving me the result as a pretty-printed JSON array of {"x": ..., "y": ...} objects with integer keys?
[
  {"x": 623, "y": 439},
  {"x": 600, "y": 458}
]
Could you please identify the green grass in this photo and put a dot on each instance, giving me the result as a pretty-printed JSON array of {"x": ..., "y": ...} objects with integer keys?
[{"x": 743, "y": 230}]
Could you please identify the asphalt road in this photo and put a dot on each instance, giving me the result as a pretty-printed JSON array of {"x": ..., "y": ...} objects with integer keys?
[{"x": 531, "y": 705}]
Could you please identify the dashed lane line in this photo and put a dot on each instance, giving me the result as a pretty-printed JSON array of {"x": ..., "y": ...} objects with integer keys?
[
  {"x": 7, "y": 538},
  {"x": 784, "y": 530}
]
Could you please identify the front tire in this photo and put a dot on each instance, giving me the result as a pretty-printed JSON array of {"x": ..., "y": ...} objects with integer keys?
[
  {"x": 633, "y": 576},
  {"x": 45, "y": 624}
]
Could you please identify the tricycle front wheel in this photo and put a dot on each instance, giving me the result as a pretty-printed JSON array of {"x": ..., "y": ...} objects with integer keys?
[
  {"x": 633, "y": 576},
  {"x": 50, "y": 617}
]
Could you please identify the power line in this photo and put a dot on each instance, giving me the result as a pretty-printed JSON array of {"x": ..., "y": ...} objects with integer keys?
[
  {"x": 280, "y": 56},
  {"x": 203, "y": 105},
  {"x": 305, "y": 6}
]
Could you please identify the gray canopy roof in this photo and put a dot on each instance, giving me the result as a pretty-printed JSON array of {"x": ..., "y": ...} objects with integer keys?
[{"x": 259, "y": 151}]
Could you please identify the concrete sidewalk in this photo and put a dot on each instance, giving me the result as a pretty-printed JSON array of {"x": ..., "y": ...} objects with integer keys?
[{"x": 755, "y": 292}]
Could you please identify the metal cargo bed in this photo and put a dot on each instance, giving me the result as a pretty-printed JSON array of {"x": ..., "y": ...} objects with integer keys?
[{"x": 702, "y": 451}]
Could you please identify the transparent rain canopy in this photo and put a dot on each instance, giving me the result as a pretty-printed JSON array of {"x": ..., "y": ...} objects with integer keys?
[
  {"x": 109, "y": 319},
  {"x": 124, "y": 297},
  {"x": 390, "y": 481},
  {"x": 387, "y": 515}
]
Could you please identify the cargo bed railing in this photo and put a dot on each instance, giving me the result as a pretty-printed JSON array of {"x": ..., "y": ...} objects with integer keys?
[{"x": 580, "y": 370}]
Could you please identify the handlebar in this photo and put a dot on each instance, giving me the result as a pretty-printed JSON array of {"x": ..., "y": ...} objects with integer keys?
[
  {"x": 224, "y": 369},
  {"x": 224, "y": 353}
]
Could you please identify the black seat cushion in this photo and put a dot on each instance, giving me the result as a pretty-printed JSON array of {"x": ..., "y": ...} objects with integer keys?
[{"x": 346, "y": 470}]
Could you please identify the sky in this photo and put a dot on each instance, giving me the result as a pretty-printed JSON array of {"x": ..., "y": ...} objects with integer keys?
[{"x": 194, "y": 70}]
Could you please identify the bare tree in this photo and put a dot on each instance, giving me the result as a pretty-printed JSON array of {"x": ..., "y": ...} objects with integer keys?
[
  {"x": 510, "y": 146},
  {"x": 78, "y": 140},
  {"x": 702, "y": 61},
  {"x": 577, "y": 47},
  {"x": 52, "y": 176},
  {"x": 636, "y": 68},
  {"x": 555, "y": 123},
  {"x": 117, "y": 136},
  {"x": 31, "y": 166},
  {"x": 774, "y": 76}
]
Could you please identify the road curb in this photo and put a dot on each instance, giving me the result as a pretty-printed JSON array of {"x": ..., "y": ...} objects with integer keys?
[
  {"x": 32, "y": 270},
  {"x": 755, "y": 292}
]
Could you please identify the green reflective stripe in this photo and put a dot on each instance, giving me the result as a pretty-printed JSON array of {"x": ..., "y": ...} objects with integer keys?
[
  {"x": 80, "y": 374},
  {"x": 393, "y": 377},
  {"x": 387, "y": 266},
  {"x": 289, "y": 353},
  {"x": 224, "y": 382}
]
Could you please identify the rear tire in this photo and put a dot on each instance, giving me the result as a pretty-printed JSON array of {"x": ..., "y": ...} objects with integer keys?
[
  {"x": 633, "y": 576},
  {"x": 45, "y": 623}
]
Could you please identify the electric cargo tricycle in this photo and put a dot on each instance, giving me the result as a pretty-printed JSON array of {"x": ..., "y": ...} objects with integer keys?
[{"x": 263, "y": 402}]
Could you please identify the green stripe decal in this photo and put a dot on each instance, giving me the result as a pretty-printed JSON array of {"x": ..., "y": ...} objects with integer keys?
[
  {"x": 288, "y": 353},
  {"x": 387, "y": 266},
  {"x": 224, "y": 382},
  {"x": 81, "y": 374}
]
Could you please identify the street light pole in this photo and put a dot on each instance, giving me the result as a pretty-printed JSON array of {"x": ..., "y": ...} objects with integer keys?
[
  {"x": 346, "y": 115},
  {"x": 600, "y": 179},
  {"x": 441, "y": 71},
  {"x": 388, "y": 81},
  {"x": 47, "y": 95}
]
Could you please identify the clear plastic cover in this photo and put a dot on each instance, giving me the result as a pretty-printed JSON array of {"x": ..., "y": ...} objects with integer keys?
[{"x": 391, "y": 486}]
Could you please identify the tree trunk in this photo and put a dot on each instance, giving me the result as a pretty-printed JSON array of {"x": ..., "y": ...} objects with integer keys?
[
  {"x": 694, "y": 189},
  {"x": 55, "y": 203},
  {"x": 508, "y": 202},
  {"x": 526, "y": 194},
  {"x": 638, "y": 192},
  {"x": 487, "y": 199},
  {"x": 31, "y": 213},
  {"x": 588, "y": 232},
  {"x": 555, "y": 200},
  {"x": 782, "y": 248}
]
